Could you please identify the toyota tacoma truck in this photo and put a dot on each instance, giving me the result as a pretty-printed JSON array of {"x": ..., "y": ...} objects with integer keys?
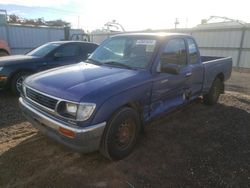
[{"x": 103, "y": 103}]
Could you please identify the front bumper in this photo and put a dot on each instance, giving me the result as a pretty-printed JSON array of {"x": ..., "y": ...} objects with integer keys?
[{"x": 86, "y": 139}]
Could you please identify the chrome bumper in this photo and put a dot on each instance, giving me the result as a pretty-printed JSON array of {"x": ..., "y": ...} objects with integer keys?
[{"x": 86, "y": 139}]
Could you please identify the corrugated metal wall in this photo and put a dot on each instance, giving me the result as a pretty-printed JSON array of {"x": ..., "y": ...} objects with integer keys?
[
  {"x": 213, "y": 42},
  {"x": 234, "y": 42},
  {"x": 24, "y": 38},
  {"x": 219, "y": 42}
]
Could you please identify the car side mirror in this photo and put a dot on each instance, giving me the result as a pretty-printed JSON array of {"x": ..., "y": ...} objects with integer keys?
[
  {"x": 58, "y": 55},
  {"x": 167, "y": 67},
  {"x": 170, "y": 68}
]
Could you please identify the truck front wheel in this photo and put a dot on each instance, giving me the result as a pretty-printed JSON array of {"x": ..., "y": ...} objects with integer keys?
[
  {"x": 120, "y": 135},
  {"x": 213, "y": 95}
]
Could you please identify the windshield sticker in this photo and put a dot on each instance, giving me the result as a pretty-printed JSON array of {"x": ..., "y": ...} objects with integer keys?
[{"x": 145, "y": 42}]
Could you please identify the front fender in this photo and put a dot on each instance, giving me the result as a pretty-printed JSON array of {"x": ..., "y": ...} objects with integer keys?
[{"x": 140, "y": 95}]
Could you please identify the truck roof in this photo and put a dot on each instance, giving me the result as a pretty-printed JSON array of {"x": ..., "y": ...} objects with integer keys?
[
  {"x": 159, "y": 34},
  {"x": 70, "y": 41}
]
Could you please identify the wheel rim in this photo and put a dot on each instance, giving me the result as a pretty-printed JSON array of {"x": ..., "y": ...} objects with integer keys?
[
  {"x": 19, "y": 83},
  {"x": 125, "y": 134}
]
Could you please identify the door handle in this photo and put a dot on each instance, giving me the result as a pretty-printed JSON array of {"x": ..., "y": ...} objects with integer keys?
[
  {"x": 164, "y": 81},
  {"x": 45, "y": 63},
  {"x": 188, "y": 74}
]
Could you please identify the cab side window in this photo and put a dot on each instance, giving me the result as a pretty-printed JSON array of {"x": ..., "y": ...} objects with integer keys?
[
  {"x": 87, "y": 49},
  {"x": 69, "y": 50},
  {"x": 193, "y": 52},
  {"x": 174, "y": 53}
]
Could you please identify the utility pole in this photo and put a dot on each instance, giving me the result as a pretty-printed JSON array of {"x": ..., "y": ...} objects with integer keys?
[
  {"x": 78, "y": 22},
  {"x": 186, "y": 22},
  {"x": 176, "y": 23}
]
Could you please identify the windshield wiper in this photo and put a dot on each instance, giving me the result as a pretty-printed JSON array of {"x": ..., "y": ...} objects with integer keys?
[
  {"x": 117, "y": 64},
  {"x": 93, "y": 61}
]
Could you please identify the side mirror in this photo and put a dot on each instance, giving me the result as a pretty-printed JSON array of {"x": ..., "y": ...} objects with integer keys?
[
  {"x": 58, "y": 55},
  {"x": 168, "y": 63}
]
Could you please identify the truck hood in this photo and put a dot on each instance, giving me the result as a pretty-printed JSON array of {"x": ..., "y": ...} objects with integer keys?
[
  {"x": 74, "y": 82},
  {"x": 16, "y": 59}
]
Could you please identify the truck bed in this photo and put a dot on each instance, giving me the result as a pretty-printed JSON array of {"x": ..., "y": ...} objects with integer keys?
[{"x": 214, "y": 66}]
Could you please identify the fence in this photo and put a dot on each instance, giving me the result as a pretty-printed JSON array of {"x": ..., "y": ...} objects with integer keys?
[
  {"x": 223, "y": 41},
  {"x": 24, "y": 38},
  {"x": 227, "y": 41}
]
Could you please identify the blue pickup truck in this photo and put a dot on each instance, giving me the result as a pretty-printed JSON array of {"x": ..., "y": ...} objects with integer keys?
[{"x": 103, "y": 103}]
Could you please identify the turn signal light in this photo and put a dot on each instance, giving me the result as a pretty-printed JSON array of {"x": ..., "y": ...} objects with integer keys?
[
  {"x": 66, "y": 132},
  {"x": 2, "y": 78}
]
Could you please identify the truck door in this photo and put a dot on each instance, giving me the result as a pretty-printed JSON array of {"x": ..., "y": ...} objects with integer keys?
[
  {"x": 197, "y": 71},
  {"x": 169, "y": 88}
]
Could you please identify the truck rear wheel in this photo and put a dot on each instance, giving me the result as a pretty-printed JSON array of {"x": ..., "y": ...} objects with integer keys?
[
  {"x": 213, "y": 95},
  {"x": 120, "y": 135}
]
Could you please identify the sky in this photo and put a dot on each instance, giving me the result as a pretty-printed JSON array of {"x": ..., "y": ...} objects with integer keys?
[{"x": 132, "y": 14}]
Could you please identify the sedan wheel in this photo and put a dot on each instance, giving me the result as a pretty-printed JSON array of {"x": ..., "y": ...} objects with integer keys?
[{"x": 17, "y": 82}]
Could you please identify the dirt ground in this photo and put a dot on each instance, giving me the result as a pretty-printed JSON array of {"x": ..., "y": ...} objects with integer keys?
[
  {"x": 199, "y": 146},
  {"x": 239, "y": 82}
]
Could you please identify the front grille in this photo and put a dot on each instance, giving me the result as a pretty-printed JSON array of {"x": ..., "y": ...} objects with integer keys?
[{"x": 41, "y": 99}]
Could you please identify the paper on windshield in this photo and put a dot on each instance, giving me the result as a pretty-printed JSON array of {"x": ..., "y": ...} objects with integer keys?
[
  {"x": 150, "y": 44},
  {"x": 145, "y": 42}
]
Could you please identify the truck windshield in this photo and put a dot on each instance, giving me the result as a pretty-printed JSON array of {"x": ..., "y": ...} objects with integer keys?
[
  {"x": 43, "y": 50},
  {"x": 125, "y": 51}
]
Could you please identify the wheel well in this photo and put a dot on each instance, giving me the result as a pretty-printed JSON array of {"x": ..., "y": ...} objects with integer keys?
[
  {"x": 3, "y": 50},
  {"x": 135, "y": 105},
  {"x": 221, "y": 76},
  {"x": 139, "y": 108},
  {"x": 18, "y": 71}
]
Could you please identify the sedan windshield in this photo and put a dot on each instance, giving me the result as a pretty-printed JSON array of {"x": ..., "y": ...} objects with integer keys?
[
  {"x": 125, "y": 51},
  {"x": 43, "y": 50}
]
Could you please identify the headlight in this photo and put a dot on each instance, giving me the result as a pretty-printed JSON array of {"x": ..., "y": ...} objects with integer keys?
[
  {"x": 85, "y": 110},
  {"x": 1, "y": 68},
  {"x": 71, "y": 108},
  {"x": 79, "y": 112}
]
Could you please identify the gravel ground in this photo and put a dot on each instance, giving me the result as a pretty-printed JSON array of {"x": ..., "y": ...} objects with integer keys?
[{"x": 199, "y": 146}]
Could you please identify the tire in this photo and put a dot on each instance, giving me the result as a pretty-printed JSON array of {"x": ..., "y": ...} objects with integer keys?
[
  {"x": 3, "y": 53},
  {"x": 121, "y": 134},
  {"x": 214, "y": 93},
  {"x": 16, "y": 82}
]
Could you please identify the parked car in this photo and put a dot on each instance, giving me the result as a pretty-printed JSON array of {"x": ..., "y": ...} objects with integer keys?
[
  {"x": 130, "y": 79},
  {"x": 13, "y": 69},
  {"x": 4, "y": 48}
]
